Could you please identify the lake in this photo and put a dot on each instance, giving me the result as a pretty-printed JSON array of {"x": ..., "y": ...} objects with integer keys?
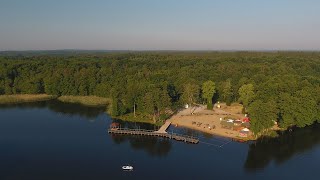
[{"x": 54, "y": 140}]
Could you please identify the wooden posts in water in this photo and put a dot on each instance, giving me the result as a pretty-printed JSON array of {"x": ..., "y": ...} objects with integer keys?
[{"x": 178, "y": 137}]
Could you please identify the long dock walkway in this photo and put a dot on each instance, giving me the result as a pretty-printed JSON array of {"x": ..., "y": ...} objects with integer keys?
[{"x": 142, "y": 132}]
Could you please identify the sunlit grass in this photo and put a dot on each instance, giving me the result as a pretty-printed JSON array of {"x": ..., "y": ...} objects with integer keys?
[
  {"x": 86, "y": 100},
  {"x": 21, "y": 98}
]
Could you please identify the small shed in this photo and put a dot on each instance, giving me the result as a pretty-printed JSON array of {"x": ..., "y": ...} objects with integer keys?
[{"x": 114, "y": 125}]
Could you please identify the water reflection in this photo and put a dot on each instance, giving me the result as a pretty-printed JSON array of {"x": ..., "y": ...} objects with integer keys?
[
  {"x": 195, "y": 133},
  {"x": 36, "y": 144},
  {"x": 136, "y": 125},
  {"x": 75, "y": 109},
  {"x": 154, "y": 146},
  {"x": 60, "y": 107},
  {"x": 26, "y": 105},
  {"x": 279, "y": 150}
]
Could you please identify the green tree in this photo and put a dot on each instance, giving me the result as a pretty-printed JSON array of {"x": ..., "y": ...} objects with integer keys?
[
  {"x": 51, "y": 85},
  {"x": 227, "y": 92},
  {"x": 149, "y": 105},
  {"x": 208, "y": 90},
  {"x": 115, "y": 108},
  {"x": 190, "y": 93},
  {"x": 246, "y": 94},
  {"x": 162, "y": 101},
  {"x": 287, "y": 109},
  {"x": 262, "y": 115},
  {"x": 102, "y": 90},
  {"x": 306, "y": 113},
  {"x": 7, "y": 88},
  {"x": 2, "y": 87}
]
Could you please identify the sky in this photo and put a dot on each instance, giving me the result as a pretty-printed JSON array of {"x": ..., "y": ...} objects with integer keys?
[{"x": 160, "y": 24}]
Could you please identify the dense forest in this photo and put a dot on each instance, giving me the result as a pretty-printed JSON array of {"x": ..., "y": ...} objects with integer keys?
[{"x": 282, "y": 87}]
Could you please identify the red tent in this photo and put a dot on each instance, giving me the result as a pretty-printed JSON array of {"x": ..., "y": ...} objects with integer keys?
[{"x": 246, "y": 119}]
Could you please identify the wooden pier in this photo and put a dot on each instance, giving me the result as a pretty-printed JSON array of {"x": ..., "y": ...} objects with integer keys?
[
  {"x": 143, "y": 132},
  {"x": 164, "y": 127}
]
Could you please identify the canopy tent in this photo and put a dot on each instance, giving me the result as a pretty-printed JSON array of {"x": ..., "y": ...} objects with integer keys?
[{"x": 245, "y": 130}]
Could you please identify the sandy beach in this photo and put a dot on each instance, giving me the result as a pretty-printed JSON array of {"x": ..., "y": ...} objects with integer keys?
[{"x": 199, "y": 118}]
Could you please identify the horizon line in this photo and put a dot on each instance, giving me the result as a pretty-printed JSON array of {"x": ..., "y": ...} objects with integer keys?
[{"x": 169, "y": 50}]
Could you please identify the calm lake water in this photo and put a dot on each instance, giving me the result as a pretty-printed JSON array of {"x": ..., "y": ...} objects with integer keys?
[{"x": 54, "y": 140}]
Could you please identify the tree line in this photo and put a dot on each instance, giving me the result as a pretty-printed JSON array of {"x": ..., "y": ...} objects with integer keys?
[{"x": 282, "y": 87}]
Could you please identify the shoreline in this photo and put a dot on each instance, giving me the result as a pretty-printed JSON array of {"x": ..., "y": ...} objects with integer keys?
[
  {"x": 183, "y": 118},
  {"x": 85, "y": 100},
  {"x": 229, "y": 136},
  {"x": 200, "y": 119},
  {"x": 92, "y": 101},
  {"x": 25, "y": 98}
]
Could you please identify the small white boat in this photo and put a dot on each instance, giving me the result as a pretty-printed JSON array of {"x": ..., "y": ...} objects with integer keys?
[{"x": 127, "y": 168}]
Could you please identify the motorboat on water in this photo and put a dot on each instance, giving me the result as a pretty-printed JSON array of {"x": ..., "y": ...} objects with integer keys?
[{"x": 127, "y": 168}]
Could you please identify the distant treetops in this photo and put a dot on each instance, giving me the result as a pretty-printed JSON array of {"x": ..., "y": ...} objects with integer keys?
[{"x": 277, "y": 87}]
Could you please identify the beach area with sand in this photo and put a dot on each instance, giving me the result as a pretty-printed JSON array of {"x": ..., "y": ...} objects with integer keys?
[{"x": 208, "y": 121}]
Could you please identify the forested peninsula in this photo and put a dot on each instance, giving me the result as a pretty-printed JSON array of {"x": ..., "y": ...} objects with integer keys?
[{"x": 281, "y": 87}]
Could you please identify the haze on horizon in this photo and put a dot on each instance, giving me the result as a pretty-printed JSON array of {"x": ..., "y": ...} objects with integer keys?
[{"x": 160, "y": 25}]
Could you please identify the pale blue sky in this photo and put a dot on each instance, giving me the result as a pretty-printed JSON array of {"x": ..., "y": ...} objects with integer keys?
[{"x": 160, "y": 24}]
